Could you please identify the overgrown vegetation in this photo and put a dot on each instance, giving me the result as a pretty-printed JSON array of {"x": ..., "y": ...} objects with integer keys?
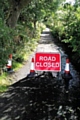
[
  {"x": 19, "y": 41},
  {"x": 66, "y": 28},
  {"x": 21, "y": 23}
]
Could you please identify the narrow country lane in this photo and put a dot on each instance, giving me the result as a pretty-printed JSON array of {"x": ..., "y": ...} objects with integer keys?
[{"x": 42, "y": 97}]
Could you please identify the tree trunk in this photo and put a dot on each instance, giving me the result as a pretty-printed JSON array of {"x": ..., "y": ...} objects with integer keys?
[
  {"x": 15, "y": 9},
  {"x": 13, "y": 18}
]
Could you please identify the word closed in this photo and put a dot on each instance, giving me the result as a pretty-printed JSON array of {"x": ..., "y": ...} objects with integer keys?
[{"x": 48, "y": 62}]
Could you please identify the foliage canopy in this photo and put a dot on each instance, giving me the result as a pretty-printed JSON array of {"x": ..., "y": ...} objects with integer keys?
[{"x": 20, "y": 22}]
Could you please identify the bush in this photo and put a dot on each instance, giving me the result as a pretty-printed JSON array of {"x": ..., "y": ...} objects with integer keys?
[{"x": 5, "y": 42}]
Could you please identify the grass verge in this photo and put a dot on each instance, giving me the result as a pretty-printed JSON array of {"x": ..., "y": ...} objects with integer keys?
[
  {"x": 5, "y": 79},
  {"x": 4, "y": 82}
]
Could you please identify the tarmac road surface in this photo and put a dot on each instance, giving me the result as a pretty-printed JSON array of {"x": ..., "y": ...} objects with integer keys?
[{"x": 42, "y": 97}]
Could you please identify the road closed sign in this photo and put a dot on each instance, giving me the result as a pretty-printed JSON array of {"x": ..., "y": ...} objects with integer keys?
[{"x": 47, "y": 62}]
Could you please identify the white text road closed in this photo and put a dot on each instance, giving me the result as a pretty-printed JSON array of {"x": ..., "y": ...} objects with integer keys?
[{"x": 48, "y": 62}]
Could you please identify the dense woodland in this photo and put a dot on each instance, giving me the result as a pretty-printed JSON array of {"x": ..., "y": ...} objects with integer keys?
[{"x": 21, "y": 22}]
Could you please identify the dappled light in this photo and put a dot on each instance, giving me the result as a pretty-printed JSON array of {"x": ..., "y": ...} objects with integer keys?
[
  {"x": 41, "y": 97},
  {"x": 44, "y": 95},
  {"x": 49, "y": 89}
]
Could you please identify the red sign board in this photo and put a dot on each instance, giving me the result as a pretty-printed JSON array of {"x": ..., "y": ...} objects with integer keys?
[{"x": 48, "y": 62}]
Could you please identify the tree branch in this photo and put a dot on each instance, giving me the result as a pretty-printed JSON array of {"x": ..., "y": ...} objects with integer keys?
[{"x": 15, "y": 8}]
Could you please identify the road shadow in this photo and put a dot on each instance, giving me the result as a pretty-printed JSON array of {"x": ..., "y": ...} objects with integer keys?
[
  {"x": 37, "y": 98},
  {"x": 17, "y": 102}
]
